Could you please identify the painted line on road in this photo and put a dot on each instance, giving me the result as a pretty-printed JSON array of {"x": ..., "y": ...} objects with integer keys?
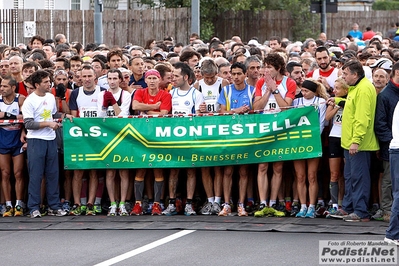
[{"x": 145, "y": 248}]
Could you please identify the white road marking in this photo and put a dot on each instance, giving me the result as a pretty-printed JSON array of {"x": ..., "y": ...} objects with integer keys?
[{"x": 145, "y": 248}]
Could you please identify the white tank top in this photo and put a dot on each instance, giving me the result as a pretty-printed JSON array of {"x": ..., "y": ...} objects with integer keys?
[
  {"x": 330, "y": 79},
  {"x": 272, "y": 105},
  {"x": 336, "y": 129},
  {"x": 183, "y": 103},
  {"x": 13, "y": 109},
  {"x": 110, "y": 110},
  {"x": 211, "y": 94},
  {"x": 87, "y": 104}
]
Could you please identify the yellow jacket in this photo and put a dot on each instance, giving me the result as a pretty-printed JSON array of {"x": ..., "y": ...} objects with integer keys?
[{"x": 358, "y": 117}]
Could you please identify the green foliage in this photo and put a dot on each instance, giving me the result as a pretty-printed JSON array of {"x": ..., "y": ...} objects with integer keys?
[
  {"x": 385, "y": 5},
  {"x": 210, "y": 10},
  {"x": 150, "y": 3},
  {"x": 303, "y": 19},
  {"x": 174, "y": 3}
]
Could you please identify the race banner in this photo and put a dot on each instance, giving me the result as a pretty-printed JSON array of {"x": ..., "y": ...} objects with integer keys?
[{"x": 194, "y": 141}]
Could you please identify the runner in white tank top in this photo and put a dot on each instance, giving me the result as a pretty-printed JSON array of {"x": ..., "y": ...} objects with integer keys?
[
  {"x": 211, "y": 94},
  {"x": 87, "y": 103},
  {"x": 210, "y": 86},
  {"x": 186, "y": 102},
  {"x": 326, "y": 74}
]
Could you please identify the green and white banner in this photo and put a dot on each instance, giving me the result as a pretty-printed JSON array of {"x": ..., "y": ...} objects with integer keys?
[{"x": 197, "y": 141}]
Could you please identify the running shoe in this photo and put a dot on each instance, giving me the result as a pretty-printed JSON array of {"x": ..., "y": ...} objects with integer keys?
[
  {"x": 301, "y": 213},
  {"x": 311, "y": 213},
  {"x": 66, "y": 207},
  {"x": 392, "y": 241},
  {"x": 329, "y": 212},
  {"x": 353, "y": 217},
  {"x": 97, "y": 209},
  {"x": 35, "y": 214},
  {"x": 170, "y": 210},
  {"x": 83, "y": 209},
  {"x": 215, "y": 208},
  {"x": 295, "y": 209},
  {"x": 270, "y": 211},
  {"x": 373, "y": 209},
  {"x": 137, "y": 209},
  {"x": 59, "y": 212},
  {"x": 162, "y": 206},
  {"x": 149, "y": 208},
  {"x": 241, "y": 211},
  {"x": 9, "y": 212},
  {"x": 280, "y": 206},
  {"x": 128, "y": 206},
  {"x": 76, "y": 210},
  {"x": 206, "y": 209},
  {"x": 2, "y": 209},
  {"x": 260, "y": 212},
  {"x": 340, "y": 214},
  {"x": 225, "y": 211},
  {"x": 90, "y": 209},
  {"x": 288, "y": 206},
  {"x": 274, "y": 212},
  {"x": 112, "y": 210},
  {"x": 188, "y": 210},
  {"x": 122, "y": 210},
  {"x": 378, "y": 216},
  {"x": 156, "y": 209},
  {"x": 249, "y": 208},
  {"x": 18, "y": 211},
  {"x": 43, "y": 210}
]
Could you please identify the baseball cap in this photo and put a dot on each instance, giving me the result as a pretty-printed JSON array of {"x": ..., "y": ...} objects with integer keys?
[
  {"x": 383, "y": 63},
  {"x": 334, "y": 49},
  {"x": 162, "y": 54},
  {"x": 254, "y": 42},
  {"x": 376, "y": 37},
  {"x": 124, "y": 70}
]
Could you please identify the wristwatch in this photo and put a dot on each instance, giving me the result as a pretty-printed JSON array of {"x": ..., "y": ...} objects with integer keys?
[{"x": 276, "y": 92}]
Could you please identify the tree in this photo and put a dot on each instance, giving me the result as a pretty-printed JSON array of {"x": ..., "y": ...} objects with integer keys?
[
  {"x": 210, "y": 11},
  {"x": 300, "y": 13},
  {"x": 386, "y": 5}
]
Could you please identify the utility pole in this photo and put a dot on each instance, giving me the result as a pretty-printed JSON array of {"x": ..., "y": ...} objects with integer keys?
[
  {"x": 323, "y": 7},
  {"x": 195, "y": 16},
  {"x": 323, "y": 16},
  {"x": 98, "y": 21}
]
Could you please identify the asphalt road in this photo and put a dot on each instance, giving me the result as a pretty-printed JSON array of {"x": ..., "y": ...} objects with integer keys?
[{"x": 163, "y": 247}]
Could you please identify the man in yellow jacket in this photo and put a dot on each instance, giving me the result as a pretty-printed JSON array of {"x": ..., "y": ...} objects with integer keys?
[{"x": 359, "y": 141}]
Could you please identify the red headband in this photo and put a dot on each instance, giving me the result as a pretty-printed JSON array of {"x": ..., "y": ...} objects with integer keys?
[{"x": 152, "y": 72}]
